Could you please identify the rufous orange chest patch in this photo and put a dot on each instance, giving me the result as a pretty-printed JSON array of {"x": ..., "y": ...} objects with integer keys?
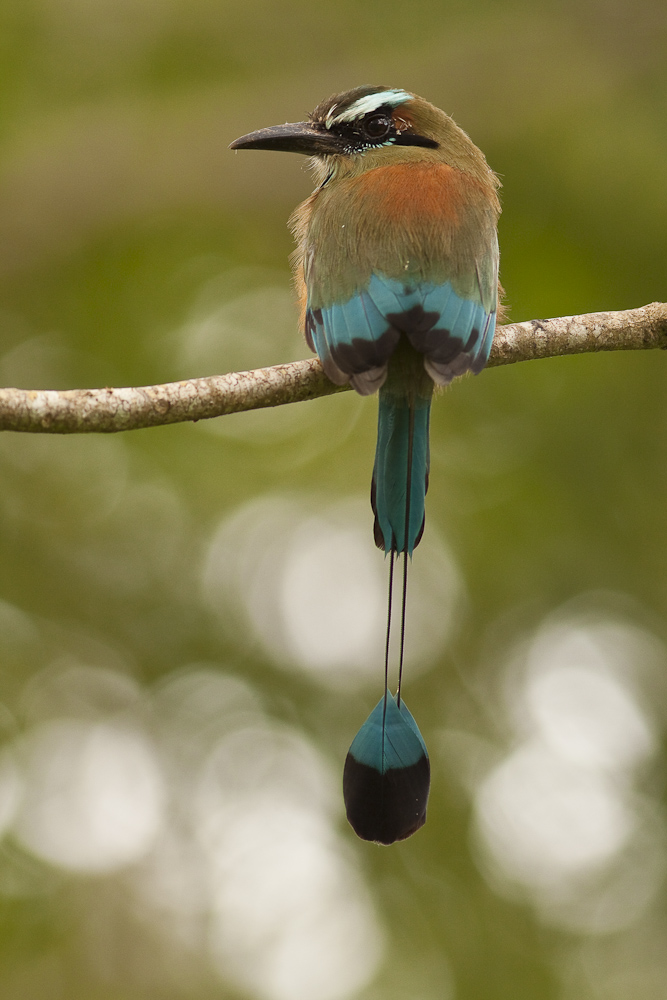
[{"x": 410, "y": 193}]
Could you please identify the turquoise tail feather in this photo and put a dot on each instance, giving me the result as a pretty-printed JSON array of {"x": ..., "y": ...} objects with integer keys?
[
  {"x": 402, "y": 454},
  {"x": 387, "y": 771}
]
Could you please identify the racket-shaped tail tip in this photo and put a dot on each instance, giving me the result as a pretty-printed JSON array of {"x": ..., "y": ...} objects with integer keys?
[{"x": 386, "y": 779}]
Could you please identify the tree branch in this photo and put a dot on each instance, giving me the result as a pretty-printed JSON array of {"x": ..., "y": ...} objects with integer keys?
[{"x": 80, "y": 411}]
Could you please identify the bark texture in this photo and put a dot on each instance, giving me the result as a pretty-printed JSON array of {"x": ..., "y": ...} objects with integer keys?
[{"x": 79, "y": 411}]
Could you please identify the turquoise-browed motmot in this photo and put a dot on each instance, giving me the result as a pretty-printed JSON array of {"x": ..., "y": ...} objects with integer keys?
[{"x": 397, "y": 274}]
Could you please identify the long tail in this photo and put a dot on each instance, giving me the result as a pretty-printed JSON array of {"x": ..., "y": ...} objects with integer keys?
[
  {"x": 400, "y": 473},
  {"x": 387, "y": 772}
]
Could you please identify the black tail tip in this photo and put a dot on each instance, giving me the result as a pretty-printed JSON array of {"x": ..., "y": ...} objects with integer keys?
[{"x": 386, "y": 808}]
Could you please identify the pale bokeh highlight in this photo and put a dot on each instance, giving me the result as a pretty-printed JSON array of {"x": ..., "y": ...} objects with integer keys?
[
  {"x": 94, "y": 795},
  {"x": 307, "y": 581},
  {"x": 561, "y": 817},
  {"x": 240, "y": 868}
]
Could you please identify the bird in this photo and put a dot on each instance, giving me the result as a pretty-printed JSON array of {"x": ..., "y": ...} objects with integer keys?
[{"x": 396, "y": 272}]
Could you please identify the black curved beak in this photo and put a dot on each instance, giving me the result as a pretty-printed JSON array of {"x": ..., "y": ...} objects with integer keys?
[{"x": 293, "y": 137}]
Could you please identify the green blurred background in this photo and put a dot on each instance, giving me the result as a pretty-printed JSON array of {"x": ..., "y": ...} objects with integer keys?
[{"x": 191, "y": 616}]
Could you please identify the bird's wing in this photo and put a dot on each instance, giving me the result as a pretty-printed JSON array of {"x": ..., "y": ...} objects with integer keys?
[
  {"x": 354, "y": 340},
  {"x": 461, "y": 339}
]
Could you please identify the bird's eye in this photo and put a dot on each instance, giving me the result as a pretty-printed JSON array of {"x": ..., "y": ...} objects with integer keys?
[{"x": 377, "y": 127}]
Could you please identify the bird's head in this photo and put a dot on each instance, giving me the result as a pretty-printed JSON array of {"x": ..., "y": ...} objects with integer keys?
[{"x": 369, "y": 127}]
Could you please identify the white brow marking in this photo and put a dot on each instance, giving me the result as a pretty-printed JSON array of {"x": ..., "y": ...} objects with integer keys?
[{"x": 363, "y": 106}]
